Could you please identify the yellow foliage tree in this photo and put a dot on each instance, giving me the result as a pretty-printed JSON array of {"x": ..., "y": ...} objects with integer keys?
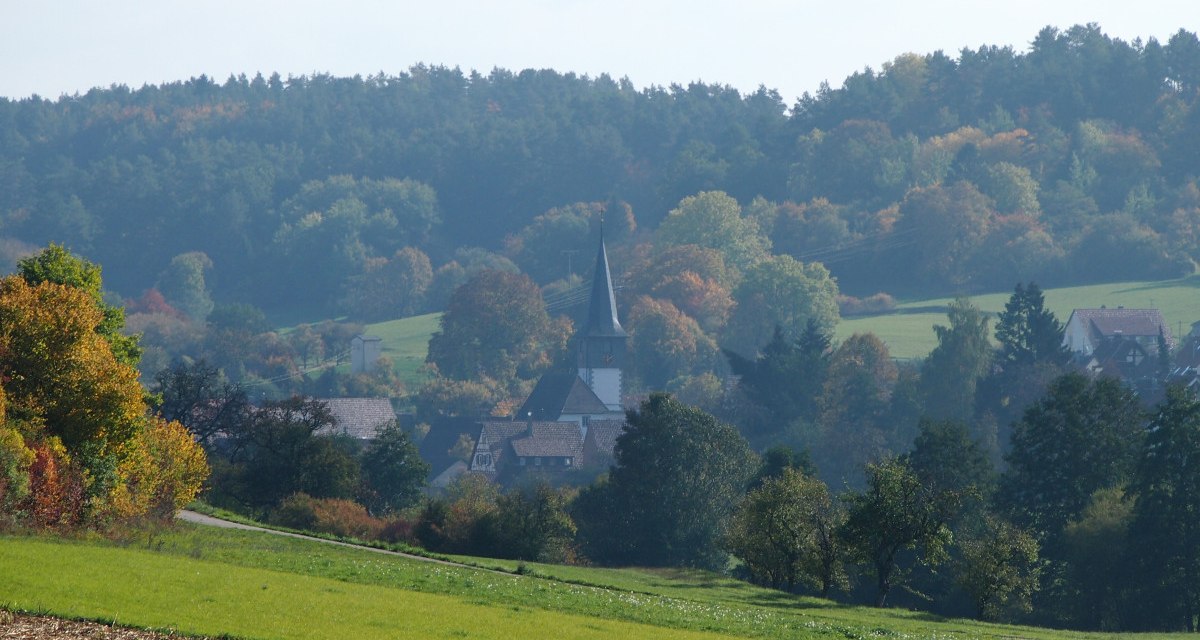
[{"x": 79, "y": 417}]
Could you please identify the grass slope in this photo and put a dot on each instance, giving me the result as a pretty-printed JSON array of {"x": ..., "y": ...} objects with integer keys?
[
  {"x": 199, "y": 580},
  {"x": 908, "y": 331},
  {"x": 406, "y": 342}
]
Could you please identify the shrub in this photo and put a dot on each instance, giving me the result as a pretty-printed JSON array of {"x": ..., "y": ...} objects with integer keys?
[
  {"x": 878, "y": 303},
  {"x": 334, "y": 516}
]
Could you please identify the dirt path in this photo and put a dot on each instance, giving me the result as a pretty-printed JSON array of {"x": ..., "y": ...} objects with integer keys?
[
  {"x": 14, "y": 626},
  {"x": 209, "y": 521}
]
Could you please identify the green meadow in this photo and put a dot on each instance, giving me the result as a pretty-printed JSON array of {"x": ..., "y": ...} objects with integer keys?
[
  {"x": 197, "y": 580},
  {"x": 405, "y": 342},
  {"x": 908, "y": 330}
]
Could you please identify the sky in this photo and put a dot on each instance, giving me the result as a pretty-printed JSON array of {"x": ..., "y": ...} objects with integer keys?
[{"x": 61, "y": 47}]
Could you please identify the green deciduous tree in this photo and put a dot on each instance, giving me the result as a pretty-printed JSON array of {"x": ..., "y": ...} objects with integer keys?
[
  {"x": 679, "y": 474},
  {"x": 780, "y": 291},
  {"x": 389, "y": 288},
  {"x": 182, "y": 284},
  {"x": 1081, "y": 437},
  {"x": 952, "y": 370},
  {"x": 713, "y": 219},
  {"x": 393, "y": 473},
  {"x": 1165, "y": 526},
  {"x": 896, "y": 512},
  {"x": 999, "y": 569},
  {"x": 530, "y": 523},
  {"x": 785, "y": 532}
]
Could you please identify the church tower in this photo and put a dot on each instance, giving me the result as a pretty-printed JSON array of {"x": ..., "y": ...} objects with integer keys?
[{"x": 602, "y": 342}]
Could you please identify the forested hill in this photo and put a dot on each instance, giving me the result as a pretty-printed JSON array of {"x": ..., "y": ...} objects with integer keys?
[{"x": 1074, "y": 160}]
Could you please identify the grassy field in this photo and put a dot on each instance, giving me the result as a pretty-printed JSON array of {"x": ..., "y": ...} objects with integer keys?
[
  {"x": 406, "y": 341},
  {"x": 908, "y": 331},
  {"x": 205, "y": 581}
]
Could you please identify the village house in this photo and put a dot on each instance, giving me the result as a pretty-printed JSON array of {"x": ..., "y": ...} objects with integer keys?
[{"x": 1120, "y": 342}]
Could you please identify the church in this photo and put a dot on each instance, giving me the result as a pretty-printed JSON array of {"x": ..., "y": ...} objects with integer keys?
[{"x": 571, "y": 419}]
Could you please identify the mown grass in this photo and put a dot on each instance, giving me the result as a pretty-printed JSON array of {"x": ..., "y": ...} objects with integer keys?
[
  {"x": 406, "y": 341},
  {"x": 207, "y": 581},
  {"x": 154, "y": 590},
  {"x": 908, "y": 331}
]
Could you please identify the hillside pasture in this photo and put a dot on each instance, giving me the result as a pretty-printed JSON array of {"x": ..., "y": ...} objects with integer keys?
[
  {"x": 406, "y": 341},
  {"x": 197, "y": 580},
  {"x": 908, "y": 330}
]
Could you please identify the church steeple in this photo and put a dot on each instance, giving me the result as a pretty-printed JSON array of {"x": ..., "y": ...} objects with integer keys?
[
  {"x": 602, "y": 341},
  {"x": 602, "y": 307}
]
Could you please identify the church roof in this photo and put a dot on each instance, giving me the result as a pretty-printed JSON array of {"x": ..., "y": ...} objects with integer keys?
[
  {"x": 602, "y": 306},
  {"x": 550, "y": 439},
  {"x": 560, "y": 393}
]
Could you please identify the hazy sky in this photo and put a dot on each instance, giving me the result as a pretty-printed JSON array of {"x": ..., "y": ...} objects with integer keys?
[{"x": 55, "y": 47}]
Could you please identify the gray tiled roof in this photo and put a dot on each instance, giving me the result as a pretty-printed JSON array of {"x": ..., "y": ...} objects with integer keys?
[
  {"x": 1106, "y": 322},
  {"x": 360, "y": 417},
  {"x": 603, "y": 436},
  {"x": 559, "y": 393},
  {"x": 550, "y": 439}
]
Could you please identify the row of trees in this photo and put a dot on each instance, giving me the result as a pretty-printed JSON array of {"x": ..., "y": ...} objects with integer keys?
[{"x": 1067, "y": 161}]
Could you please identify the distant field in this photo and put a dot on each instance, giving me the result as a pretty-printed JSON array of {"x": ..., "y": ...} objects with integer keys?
[
  {"x": 205, "y": 581},
  {"x": 406, "y": 342},
  {"x": 908, "y": 331}
]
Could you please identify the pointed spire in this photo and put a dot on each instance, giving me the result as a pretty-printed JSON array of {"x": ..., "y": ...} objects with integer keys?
[{"x": 602, "y": 308}]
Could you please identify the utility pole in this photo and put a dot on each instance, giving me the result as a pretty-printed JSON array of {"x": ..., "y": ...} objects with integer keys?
[{"x": 569, "y": 253}]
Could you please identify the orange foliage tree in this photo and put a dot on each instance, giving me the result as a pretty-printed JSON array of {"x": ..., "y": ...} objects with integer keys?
[{"x": 76, "y": 443}]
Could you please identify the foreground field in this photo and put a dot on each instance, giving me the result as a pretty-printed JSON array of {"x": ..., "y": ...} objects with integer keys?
[{"x": 204, "y": 581}]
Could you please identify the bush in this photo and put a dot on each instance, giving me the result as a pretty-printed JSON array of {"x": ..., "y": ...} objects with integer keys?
[
  {"x": 333, "y": 516},
  {"x": 878, "y": 303}
]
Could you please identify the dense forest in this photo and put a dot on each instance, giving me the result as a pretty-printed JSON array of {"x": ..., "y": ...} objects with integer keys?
[{"x": 1074, "y": 160}]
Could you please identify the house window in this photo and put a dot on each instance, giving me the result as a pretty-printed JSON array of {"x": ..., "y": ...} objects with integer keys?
[
  {"x": 522, "y": 462},
  {"x": 537, "y": 462}
]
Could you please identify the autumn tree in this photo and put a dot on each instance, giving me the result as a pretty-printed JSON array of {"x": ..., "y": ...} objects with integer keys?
[
  {"x": 496, "y": 327},
  {"x": 666, "y": 343},
  {"x": 389, "y": 288},
  {"x": 56, "y": 264},
  {"x": 78, "y": 409}
]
